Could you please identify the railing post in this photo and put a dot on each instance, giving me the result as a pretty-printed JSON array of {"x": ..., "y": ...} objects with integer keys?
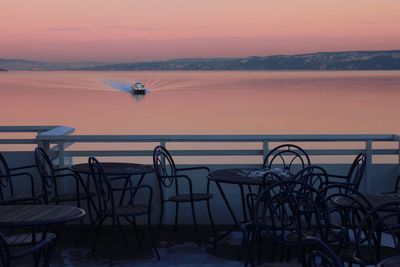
[
  {"x": 61, "y": 158},
  {"x": 265, "y": 149},
  {"x": 368, "y": 167}
]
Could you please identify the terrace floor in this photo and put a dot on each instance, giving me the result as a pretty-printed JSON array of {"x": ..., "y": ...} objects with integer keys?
[{"x": 176, "y": 249}]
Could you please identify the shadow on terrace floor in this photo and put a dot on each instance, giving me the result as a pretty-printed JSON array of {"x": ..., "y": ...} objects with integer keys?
[{"x": 176, "y": 249}]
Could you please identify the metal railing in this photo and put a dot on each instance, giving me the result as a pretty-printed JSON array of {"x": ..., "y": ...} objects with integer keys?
[{"x": 58, "y": 139}]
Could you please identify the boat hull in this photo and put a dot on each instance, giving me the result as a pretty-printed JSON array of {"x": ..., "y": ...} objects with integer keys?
[{"x": 138, "y": 92}]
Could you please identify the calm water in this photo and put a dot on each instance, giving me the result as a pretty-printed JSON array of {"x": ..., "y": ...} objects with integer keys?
[{"x": 204, "y": 102}]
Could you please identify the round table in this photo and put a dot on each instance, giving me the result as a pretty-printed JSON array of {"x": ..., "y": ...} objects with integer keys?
[
  {"x": 115, "y": 168},
  {"x": 375, "y": 199},
  {"x": 37, "y": 215},
  {"x": 242, "y": 177},
  {"x": 239, "y": 176}
]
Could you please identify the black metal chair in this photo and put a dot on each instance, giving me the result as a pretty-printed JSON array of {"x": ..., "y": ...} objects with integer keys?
[
  {"x": 127, "y": 208},
  {"x": 8, "y": 193},
  {"x": 291, "y": 211},
  {"x": 42, "y": 245},
  {"x": 355, "y": 173},
  {"x": 169, "y": 176},
  {"x": 319, "y": 254},
  {"x": 288, "y": 157},
  {"x": 378, "y": 226},
  {"x": 315, "y": 176},
  {"x": 347, "y": 207},
  {"x": 51, "y": 177}
]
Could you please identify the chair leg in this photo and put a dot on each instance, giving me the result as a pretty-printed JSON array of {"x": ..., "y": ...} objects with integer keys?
[
  {"x": 195, "y": 223},
  {"x": 176, "y": 216},
  {"x": 97, "y": 233},
  {"x": 135, "y": 228},
  {"x": 153, "y": 242},
  {"x": 122, "y": 233},
  {"x": 113, "y": 236},
  {"x": 160, "y": 221},
  {"x": 209, "y": 212}
]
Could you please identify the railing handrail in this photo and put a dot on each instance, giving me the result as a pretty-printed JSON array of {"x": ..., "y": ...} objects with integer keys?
[{"x": 217, "y": 138}]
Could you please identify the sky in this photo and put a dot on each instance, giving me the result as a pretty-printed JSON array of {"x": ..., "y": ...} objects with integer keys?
[{"x": 145, "y": 30}]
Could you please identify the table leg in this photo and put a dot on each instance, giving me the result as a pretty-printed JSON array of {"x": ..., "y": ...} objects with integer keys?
[
  {"x": 227, "y": 203},
  {"x": 123, "y": 192}
]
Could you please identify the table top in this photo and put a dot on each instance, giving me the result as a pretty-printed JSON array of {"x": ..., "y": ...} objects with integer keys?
[
  {"x": 115, "y": 168},
  {"x": 33, "y": 215},
  {"x": 375, "y": 199},
  {"x": 241, "y": 176}
]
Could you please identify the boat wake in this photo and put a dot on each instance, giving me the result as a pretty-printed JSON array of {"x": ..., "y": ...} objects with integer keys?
[{"x": 122, "y": 86}]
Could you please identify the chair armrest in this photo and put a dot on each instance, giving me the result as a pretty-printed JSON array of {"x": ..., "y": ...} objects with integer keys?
[
  {"x": 194, "y": 168},
  {"x": 21, "y": 174},
  {"x": 22, "y": 168}
]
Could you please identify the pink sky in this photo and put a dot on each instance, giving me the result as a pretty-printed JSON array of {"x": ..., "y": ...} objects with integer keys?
[{"x": 137, "y": 30}]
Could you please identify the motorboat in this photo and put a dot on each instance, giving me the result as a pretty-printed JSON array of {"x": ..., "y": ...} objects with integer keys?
[{"x": 138, "y": 89}]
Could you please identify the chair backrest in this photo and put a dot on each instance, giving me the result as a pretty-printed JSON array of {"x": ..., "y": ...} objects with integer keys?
[
  {"x": 45, "y": 167},
  {"x": 315, "y": 176},
  {"x": 381, "y": 221},
  {"x": 5, "y": 182},
  {"x": 357, "y": 170},
  {"x": 291, "y": 210},
  {"x": 287, "y": 157},
  {"x": 164, "y": 166},
  {"x": 319, "y": 254},
  {"x": 103, "y": 187}
]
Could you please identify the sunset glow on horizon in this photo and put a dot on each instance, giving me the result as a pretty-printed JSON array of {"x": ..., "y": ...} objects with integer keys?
[{"x": 142, "y": 30}]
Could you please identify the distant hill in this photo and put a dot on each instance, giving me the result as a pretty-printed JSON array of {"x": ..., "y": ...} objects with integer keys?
[
  {"x": 20, "y": 64},
  {"x": 352, "y": 60},
  {"x": 2, "y": 69},
  {"x": 355, "y": 60}
]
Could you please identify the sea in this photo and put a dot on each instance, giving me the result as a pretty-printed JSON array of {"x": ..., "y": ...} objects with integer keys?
[{"x": 204, "y": 102}]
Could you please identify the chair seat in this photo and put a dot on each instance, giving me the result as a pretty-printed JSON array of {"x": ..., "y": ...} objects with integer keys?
[
  {"x": 347, "y": 254},
  {"x": 130, "y": 210},
  {"x": 22, "y": 197},
  {"x": 71, "y": 197},
  {"x": 27, "y": 238},
  {"x": 187, "y": 198}
]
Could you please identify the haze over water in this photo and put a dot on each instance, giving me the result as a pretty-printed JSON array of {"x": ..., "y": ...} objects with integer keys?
[{"x": 277, "y": 102}]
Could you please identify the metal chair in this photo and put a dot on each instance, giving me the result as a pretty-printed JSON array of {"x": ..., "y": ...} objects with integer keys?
[
  {"x": 8, "y": 194},
  {"x": 127, "y": 208},
  {"x": 381, "y": 223},
  {"x": 288, "y": 157},
  {"x": 347, "y": 207},
  {"x": 169, "y": 177},
  {"x": 319, "y": 254},
  {"x": 51, "y": 183},
  {"x": 290, "y": 212},
  {"x": 41, "y": 245},
  {"x": 355, "y": 173}
]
